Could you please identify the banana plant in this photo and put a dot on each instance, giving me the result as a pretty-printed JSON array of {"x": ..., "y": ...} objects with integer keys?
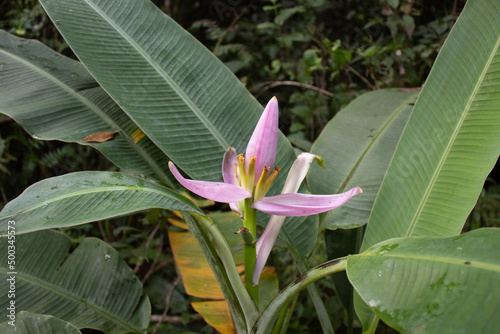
[{"x": 172, "y": 117}]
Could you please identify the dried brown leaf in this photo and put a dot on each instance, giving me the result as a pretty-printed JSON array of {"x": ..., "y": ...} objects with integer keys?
[{"x": 100, "y": 137}]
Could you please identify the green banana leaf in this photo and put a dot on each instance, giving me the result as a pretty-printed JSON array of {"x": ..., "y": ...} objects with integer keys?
[
  {"x": 91, "y": 288},
  {"x": 183, "y": 98},
  {"x": 54, "y": 97},
  {"x": 27, "y": 322},
  {"x": 357, "y": 146},
  {"x": 176, "y": 91},
  {"x": 432, "y": 285},
  {"x": 451, "y": 141},
  {"x": 83, "y": 197}
]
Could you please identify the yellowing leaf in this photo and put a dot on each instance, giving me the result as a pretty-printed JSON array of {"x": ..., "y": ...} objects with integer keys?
[
  {"x": 216, "y": 314},
  {"x": 100, "y": 137},
  {"x": 178, "y": 223},
  {"x": 199, "y": 281},
  {"x": 137, "y": 135}
]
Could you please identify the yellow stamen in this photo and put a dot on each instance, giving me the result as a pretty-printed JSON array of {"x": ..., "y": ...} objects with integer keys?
[
  {"x": 251, "y": 174},
  {"x": 259, "y": 187},
  {"x": 243, "y": 171},
  {"x": 271, "y": 178}
]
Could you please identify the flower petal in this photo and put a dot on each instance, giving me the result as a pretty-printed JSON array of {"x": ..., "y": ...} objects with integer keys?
[
  {"x": 265, "y": 244},
  {"x": 215, "y": 191},
  {"x": 303, "y": 204},
  {"x": 299, "y": 171},
  {"x": 228, "y": 162},
  {"x": 264, "y": 141}
]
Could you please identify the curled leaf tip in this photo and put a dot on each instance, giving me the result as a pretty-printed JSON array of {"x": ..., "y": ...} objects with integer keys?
[{"x": 320, "y": 161}]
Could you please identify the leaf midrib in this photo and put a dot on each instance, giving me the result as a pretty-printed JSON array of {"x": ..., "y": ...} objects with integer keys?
[
  {"x": 439, "y": 259},
  {"x": 91, "y": 191},
  {"x": 374, "y": 140},
  {"x": 163, "y": 74},
  {"x": 452, "y": 140}
]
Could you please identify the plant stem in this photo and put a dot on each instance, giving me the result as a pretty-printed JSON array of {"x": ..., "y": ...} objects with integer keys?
[
  {"x": 242, "y": 296},
  {"x": 278, "y": 326},
  {"x": 249, "y": 251},
  {"x": 271, "y": 312},
  {"x": 226, "y": 275}
]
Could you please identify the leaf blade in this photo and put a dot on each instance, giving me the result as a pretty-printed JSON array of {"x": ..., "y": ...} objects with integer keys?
[
  {"x": 432, "y": 284},
  {"x": 28, "y": 322},
  {"x": 55, "y": 98},
  {"x": 357, "y": 146},
  {"x": 164, "y": 79},
  {"x": 93, "y": 287},
  {"x": 450, "y": 143},
  {"x": 82, "y": 197}
]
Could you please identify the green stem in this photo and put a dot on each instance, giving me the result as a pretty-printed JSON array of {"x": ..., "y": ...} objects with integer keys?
[
  {"x": 249, "y": 251},
  {"x": 286, "y": 321},
  {"x": 280, "y": 323},
  {"x": 242, "y": 295},
  {"x": 267, "y": 317},
  {"x": 242, "y": 312}
]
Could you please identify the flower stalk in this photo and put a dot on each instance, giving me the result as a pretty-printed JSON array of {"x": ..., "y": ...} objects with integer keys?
[{"x": 250, "y": 250}]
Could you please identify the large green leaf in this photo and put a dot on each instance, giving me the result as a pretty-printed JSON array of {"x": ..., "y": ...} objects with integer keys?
[
  {"x": 452, "y": 139},
  {"x": 27, "y": 322},
  {"x": 357, "y": 146},
  {"x": 54, "y": 97},
  {"x": 91, "y": 288},
  {"x": 175, "y": 90},
  {"x": 432, "y": 285},
  {"x": 83, "y": 197},
  {"x": 183, "y": 98}
]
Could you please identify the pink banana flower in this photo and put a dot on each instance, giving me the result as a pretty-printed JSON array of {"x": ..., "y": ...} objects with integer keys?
[{"x": 250, "y": 177}]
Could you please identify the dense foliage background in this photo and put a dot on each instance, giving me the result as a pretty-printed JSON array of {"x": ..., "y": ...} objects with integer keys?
[{"x": 315, "y": 56}]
